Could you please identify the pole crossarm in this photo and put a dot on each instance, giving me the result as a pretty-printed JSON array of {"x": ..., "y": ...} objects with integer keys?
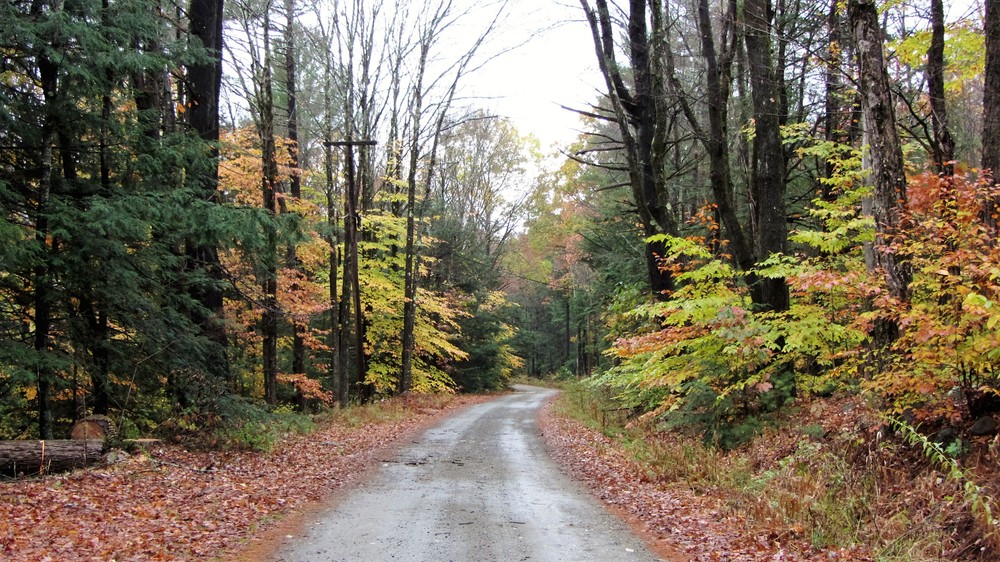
[{"x": 350, "y": 143}]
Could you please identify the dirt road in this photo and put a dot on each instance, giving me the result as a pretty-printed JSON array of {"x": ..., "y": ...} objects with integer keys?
[{"x": 478, "y": 487}]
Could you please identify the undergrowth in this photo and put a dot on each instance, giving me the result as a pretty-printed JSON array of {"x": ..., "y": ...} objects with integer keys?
[
  {"x": 822, "y": 473},
  {"x": 247, "y": 426}
]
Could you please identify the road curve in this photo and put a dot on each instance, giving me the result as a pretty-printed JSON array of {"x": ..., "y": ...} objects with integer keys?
[{"x": 477, "y": 487}]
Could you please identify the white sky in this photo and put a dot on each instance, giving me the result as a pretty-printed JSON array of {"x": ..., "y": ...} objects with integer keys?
[{"x": 555, "y": 66}]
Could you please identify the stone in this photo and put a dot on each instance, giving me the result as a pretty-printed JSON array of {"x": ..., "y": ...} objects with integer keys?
[{"x": 984, "y": 426}]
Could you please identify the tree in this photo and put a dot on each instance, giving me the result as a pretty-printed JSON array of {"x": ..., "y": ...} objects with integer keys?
[
  {"x": 768, "y": 182},
  {"x": 204, "y": 84},
  {"x": 715, "y": 137},
  {"x": 882, "y": 138},
  {"x": 943, "y": 143},
  {"x": 639, "y": 114},
  {"x": 295, "y": 182},
  {"x": 991, "y": 107},
  {"x": 105, "y": 198}
]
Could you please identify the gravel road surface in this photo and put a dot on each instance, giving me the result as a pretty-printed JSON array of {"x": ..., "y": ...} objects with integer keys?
[{"x": 477, "y": 487}]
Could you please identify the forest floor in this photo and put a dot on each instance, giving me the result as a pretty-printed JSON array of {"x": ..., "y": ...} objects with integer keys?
[{"x": 169, "y": 503}]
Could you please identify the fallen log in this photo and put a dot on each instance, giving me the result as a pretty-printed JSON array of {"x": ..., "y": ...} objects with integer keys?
[{"x": 53, "y": 455}]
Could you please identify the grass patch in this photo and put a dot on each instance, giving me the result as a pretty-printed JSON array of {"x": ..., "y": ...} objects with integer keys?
[
  {"x": 386, "y": 411},
  {"x": 595, "y": 409}
]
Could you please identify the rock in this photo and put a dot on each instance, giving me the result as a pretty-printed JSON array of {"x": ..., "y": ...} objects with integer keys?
[
  {"x": 115, "y": 456},
  {"x": 945, "y": 435},
  {"x": 984, "y": 426}
]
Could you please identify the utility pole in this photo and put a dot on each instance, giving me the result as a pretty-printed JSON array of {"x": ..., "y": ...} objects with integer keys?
[{"x": 351, "y": 279}]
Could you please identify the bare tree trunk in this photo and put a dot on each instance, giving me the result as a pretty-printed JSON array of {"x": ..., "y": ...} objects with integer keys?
[
  {"x": 335, "y": 341},
  {"x": 352, "y": 283},
  {"x": 204, "y": 81},
  {"x": 409, "y": 273},
  {"x": 768, "y": 181},
  {"x": 42, "y": 298},
  {"x": 991, "y": 109},
  {"x": 943, "y": 144},
  {"x": 269, "y": 187},
  {"x": 886, "y": 156},
  {"x": 295, "y": 182},
  {"x": 42, "y": 274}
]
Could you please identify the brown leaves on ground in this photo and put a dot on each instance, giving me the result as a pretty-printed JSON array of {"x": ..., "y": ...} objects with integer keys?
[
  {"x": 172, "y": 504},
  {"x": 678, "y": 523}
]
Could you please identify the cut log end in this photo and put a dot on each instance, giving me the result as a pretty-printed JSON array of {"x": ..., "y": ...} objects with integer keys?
[{"x": 93, "y": 427}]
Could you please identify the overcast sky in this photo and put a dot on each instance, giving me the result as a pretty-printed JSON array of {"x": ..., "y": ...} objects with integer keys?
[{"x": 555, "y": 66}]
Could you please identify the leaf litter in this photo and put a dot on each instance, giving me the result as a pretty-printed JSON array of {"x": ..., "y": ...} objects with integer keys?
[{"x": 169, "y": 503}]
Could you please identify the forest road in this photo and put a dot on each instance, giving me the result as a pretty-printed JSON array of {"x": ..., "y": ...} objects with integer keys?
[{"x": 477, "y": 487}]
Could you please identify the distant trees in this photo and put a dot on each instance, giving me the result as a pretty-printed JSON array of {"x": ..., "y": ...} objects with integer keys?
[{"x": 482, "y": 166}]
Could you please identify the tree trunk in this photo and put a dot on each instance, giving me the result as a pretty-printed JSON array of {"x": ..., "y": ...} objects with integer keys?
[
  {"x": 269, "y": 188},
  {"x": 42, "y": 274},
  {"x": 352, "y": 280},
  {"x": 295, "y": 187},
  {"x": 410, "y": 272},
  {"x": 943, "y": 144},
  {"x": 151, "y": 89},
  {"x": 99, "y": 344},
  {"x": 94, "y": 427},
  {"x": 991, "y": 109},
  {"x": 335, "y": 342},
  {"x": 51, "y": 455},
  {"x": 887, "y": 173},
  {"x": 768, "y": 181},
  {"x": 204, "y": 81}
]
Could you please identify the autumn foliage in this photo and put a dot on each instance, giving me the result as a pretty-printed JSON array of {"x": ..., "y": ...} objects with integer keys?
[
  {"x": 944, "y": 363},
  {"x": 707, "y": 354}
]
